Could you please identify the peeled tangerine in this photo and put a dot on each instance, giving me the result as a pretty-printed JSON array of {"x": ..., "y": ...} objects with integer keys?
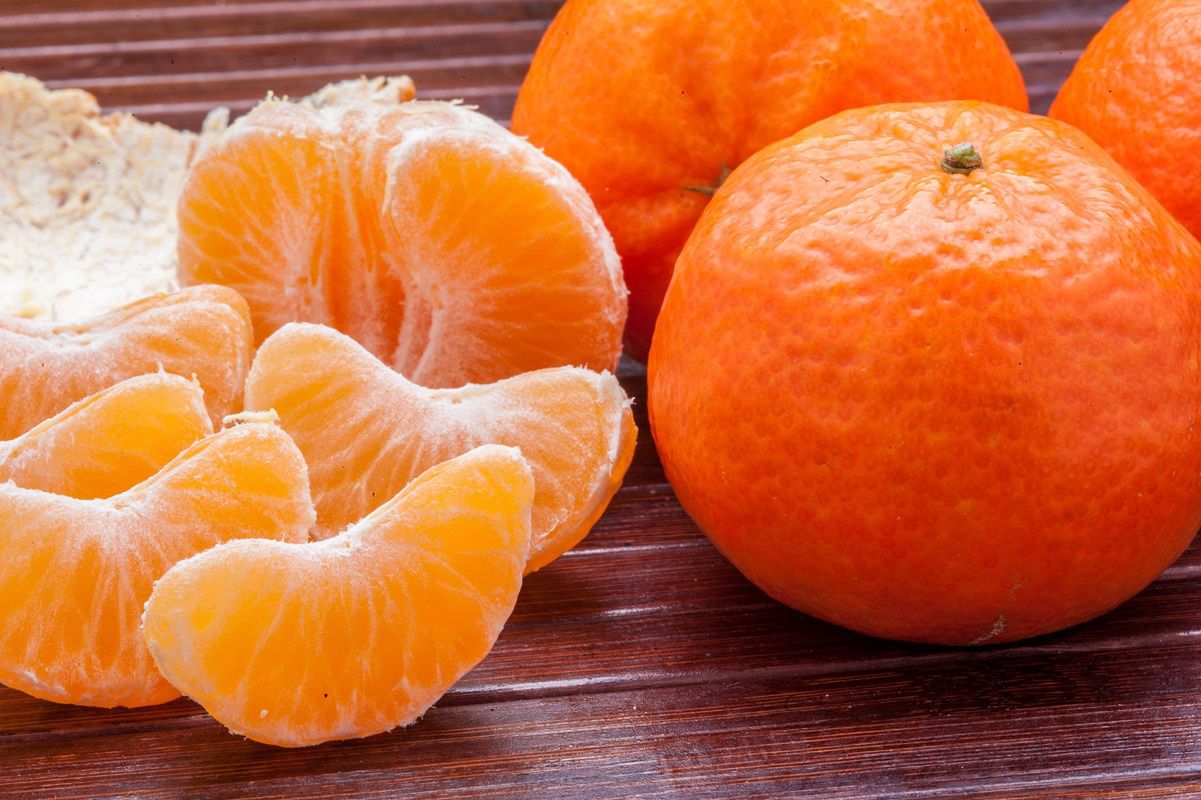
[
  {"x": 202, "y": 332},
  {"x": 74, "y": 574},
  {"x": 366, "y": 430},
  {"x": 451, "y": 249},
  {"x": 110, "y": 441},
  {"x": 297, "y": 644}
]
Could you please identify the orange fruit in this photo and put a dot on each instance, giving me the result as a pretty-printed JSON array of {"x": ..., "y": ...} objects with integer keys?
[
  {"x": 450, "y": 248},
  {"x": 202, "y": 332},
  {"x": 295, "y": 645},
  {"x": 944, "y": 406},
  {"x": 689, "y": 89},
  {"x": 1137, "y": 92},
  {"x": 74, "y": 574},
  {"x": 366, "y": 430},
  {"x": 110, "y": 441}
]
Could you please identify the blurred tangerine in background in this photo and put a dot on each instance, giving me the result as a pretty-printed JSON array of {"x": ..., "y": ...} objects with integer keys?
[{"x": 651, "y": 103}]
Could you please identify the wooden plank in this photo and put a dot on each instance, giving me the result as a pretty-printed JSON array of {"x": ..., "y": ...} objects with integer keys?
[
  {"x": 108, "y": 24},
  {"x": 1051, "y": 35},
  {"x": 685, "y": 617},
  {"x": 208, "y": 88},
  {"x": 1012, "y": 723},
  {"x": 1002, "y": 11},
  {"x": 273, "y": 50},
  {"x": 27, "y": 7}
]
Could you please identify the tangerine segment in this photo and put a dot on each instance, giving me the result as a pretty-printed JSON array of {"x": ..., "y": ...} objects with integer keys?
[
  {"x": 110, "y": 441},
  {"x": 295, "y": 645},
  {"x": 74, "y": 574},
  {"x": 451, "y": 249},
  {"x": 203, "y": 332},
  {"x": 366, "y": 430}
]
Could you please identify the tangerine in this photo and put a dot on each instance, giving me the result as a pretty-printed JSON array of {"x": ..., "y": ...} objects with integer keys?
[
  {"x": 110, "y": 441},
  {"x": 689, "y": 89},
  {"x": 943, "y": 394},
  {"x": 1136, "y": 91}
]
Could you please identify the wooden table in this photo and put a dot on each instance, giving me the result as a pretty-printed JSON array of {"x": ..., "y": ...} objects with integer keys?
[{"x": 640, "y": 665}]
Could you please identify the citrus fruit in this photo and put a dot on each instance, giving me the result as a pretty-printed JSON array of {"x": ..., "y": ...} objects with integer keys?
[
  {"x": 202, "y": 332},
  {"x": 450, "y": 248},
  {"x": 74, "y": 574},
  {"x": 1136, "y": 91},
  {"x": 939, "y": 393},
  {"x": 691, "y": 88},
  {"x": 109, "y": 441},
  {"x": 366, "y": 430},
  {"x": 298, "y": 644}
]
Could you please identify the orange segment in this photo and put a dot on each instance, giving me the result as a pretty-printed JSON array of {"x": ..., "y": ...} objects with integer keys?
[
  {"x": 461, "y": 205},
  {"x": 110, "y": 441},
  {"x": 229, "y": 245},
  {"x": 202, "y": 332},
  {"x": 74, "y": 574},
  {"x": 451, "y": 249},
  {"x": 299, "y": 644},
  {"x": 366, "y": 430}
]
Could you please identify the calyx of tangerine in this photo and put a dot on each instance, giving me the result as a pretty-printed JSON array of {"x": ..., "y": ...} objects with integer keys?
[{"x": 961, "y": 159}]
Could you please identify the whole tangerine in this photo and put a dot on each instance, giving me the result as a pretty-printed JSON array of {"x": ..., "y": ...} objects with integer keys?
[
  {"x": 931, "y": 372},
  {"x": 651, "y": 103},
  {"x": 1137, "y": 92}
]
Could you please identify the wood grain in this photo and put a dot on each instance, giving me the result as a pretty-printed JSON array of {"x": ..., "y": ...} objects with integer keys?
[{"x": 640, "y": 665}]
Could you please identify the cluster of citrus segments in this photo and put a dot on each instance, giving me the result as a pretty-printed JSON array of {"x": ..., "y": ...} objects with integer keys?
[
  {"x": 449, "y": 248},
  {"x": 89, "y": 200},
  {"x": 573, "y": 426},
  {"x": 945, "y": 352},
  {"x": 351, "y": 539},
  {"x": 76, "y": 572},
  {"x": 295, "y": 644}
]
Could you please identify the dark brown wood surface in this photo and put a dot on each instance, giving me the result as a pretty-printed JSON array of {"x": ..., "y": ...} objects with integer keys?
[{"x": 641, "y": 665}]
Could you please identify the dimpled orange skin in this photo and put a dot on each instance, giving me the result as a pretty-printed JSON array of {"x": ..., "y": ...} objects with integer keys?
[
  {"x": 641, "y": 99},
  {"x": 946, "y": 408},
  {"x": 1137, "y": 92}
]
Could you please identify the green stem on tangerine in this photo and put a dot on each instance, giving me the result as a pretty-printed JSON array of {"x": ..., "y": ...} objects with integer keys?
[
  {"x": 961, "y": 159},
  {"x": 709, "y": 191}
]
